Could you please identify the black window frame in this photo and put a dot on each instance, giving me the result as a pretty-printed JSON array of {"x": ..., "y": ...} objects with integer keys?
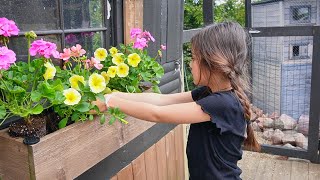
[{"x": 293, "y": 57}]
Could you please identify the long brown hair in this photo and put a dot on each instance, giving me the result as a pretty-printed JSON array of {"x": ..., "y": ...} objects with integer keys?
[{"x": 223, "y": 48}]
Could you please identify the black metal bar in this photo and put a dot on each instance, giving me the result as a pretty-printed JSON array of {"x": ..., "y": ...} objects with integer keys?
[
  {"x": 265, "y": 2},
  {"x": 63, "y": 35},
  {"x": 207, "y": 8},
  {"x": 283, "y": 151},
  {"x": 188, "y": 34},
  {"x": 117, "y": 23},
  {"x": 248, "y": 22},
  {"x": 313, "y": 140},
  {"x": 85, "y": 30},
  {"x": 126, "y": 154},
  {"x": 283, "y": 31}
]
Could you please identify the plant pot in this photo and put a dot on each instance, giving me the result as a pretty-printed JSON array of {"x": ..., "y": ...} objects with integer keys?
[{"x": 66, "y": 153}]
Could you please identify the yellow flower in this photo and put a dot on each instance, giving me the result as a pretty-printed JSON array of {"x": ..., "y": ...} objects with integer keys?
[
  {"x": 117, "y": 58},
  {"x": 113, "y": 51},
  {"x": 112, "y": 71},
  {"x": 107, "y": 91},
  {"x": 72, "y": 96},
  {"x": 50, "y": 71},
  {"x": 97, "y": 83},
  {"x": 100, "y": 54},
  {"x": 106, "y": 77},
  {"x": 123, "y": 70},
  {"x": 74, "y": 81},
  {"x": 134, "y": 59}
]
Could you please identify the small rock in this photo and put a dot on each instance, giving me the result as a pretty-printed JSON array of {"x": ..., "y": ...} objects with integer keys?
[
  {"x": 268, "y": 123},
  {"x": 277, "y": 136},
  {"x": 289, "y": 146},
  {"x": 267, "y": 134},
  {"x": 288, "y": 139},
  {"x": 256, "y": 127},
  {"x": 274, "y": 115},
  {"x": 285, "y": 122},
  {"x": 301, "y": 140}
]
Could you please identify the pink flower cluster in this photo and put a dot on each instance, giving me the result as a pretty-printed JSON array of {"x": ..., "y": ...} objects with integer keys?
[
  {"x": 93, "y": 62},
  {"x": 74, "y": 51},
  {"x": 44, "y": 48},
  {"x": 141, "y": 38},
  {"x": 7, "y": 57},
  {"x": 8, "y": 27}
]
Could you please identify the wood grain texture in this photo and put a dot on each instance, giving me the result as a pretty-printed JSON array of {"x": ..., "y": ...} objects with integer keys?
[
  {"x": 67, "y": 153},
  {"x": 171, "y": 156},
  {"x": 126, "y": 173},
  {"x": 150, "y": 156},
  {"x": 162, "y": 159},
  {"x": 133, "y": 17},
  {"x": 178, "y": 141},
  {"x": 139, "y": 168},
  {"x": 13, "y": 158}
]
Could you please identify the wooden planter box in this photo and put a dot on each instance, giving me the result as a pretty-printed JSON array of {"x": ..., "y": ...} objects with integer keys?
[{"x": 66, "y": 153}]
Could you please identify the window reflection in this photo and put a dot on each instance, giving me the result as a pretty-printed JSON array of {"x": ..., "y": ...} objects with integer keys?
[
  {"x": 32, "y": 15},
  {"x": 82, "y": 13},
  {"x": 89, "y": 41}
]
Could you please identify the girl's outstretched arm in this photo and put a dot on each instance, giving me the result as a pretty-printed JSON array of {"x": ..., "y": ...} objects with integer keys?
[
  {"x": 182, "y": 113},
  {"x": 156, "y": 99}
]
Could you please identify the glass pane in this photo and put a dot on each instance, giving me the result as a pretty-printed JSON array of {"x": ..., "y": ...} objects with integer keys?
[
  {"x": 32, "y": 15},
  {"x": 19, "y": 46},
  {"x": 83, "y": 14},
  {"x": 89, "y": 41},
  {"x": 300, "y": 13}
]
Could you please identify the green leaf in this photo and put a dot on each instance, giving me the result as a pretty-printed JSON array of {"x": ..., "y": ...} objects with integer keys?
[
  {"x": 37, "y": 109},
  {"x": 3, "y": 112},
  {"x": 32, "y": 69},
  {"x": 75, "y": 116},
  {"x": 90, "y": 117},
  {"x": 102, "y": 119},
  {"x": 16, "y": 89},
  {"x": 100, "y": 96},
  {"x": 112, "y": 120},
  {"x": 59, "y": 98},
  {"x": 63, "y": 123},
  {"x": 83, "y": 107},
  {"x": 46, "y": 90},
  {"x": 35, "y": 96}
]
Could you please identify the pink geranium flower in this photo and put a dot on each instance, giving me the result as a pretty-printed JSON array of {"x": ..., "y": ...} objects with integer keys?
[
  {"x": 66, "y": 54},
  {"x": 7, "y": 57},
  {"x": 44, "y": 48},
  {"x": 140, "y": 43},
  {"x": 77, "y": 50},
  {"x": 147, "y": 35},
  {"x": 163, "y": 47},
  {"x": 8, "y": 27},
  {"x": 135, "y": 32},
  {"x": 96, "y": 63}
]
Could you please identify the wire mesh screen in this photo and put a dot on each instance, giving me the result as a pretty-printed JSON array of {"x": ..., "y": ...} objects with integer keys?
[
  {"x": 267, "y": 13},
  {"x": 281, "y": 72}
]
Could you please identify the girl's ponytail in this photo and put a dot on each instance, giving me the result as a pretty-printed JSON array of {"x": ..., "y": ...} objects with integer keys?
[{"x": 250, "y": 143}]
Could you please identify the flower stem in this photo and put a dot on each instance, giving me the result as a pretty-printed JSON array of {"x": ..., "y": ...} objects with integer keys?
[{"x": 29, "y": 42}]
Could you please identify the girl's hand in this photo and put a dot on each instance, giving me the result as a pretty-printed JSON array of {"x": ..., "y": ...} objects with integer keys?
[{"x": 101, "y": 105}]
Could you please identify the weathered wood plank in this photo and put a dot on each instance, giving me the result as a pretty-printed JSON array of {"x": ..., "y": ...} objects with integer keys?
[
  {"x": 129, "y": 19},
  {"x": 150, "y": 156},
  {"x": 282, "y": 170},
  {"x": 314, "y": 171},
  {"x": 299, "y": 170},
  {"x": 139, "y": 169},
  {"x": 138, "y": 13},
  {"x": 13, "y": 157},
  {"x": 178, "y": 139},
  {"x": 126, "y": 173},
  {"x": 171, "y": 156},
  {"x": 161, "y": 159}
]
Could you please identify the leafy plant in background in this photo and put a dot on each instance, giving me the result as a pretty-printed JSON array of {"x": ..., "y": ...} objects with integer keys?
[{"x": 227, "y": 10}]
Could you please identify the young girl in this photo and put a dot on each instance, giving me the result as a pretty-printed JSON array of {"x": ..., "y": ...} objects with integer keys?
[{"x": 218, "y": 111}]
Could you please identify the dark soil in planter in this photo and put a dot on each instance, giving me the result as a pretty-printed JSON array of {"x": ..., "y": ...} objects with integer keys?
[{"x": 35, "y": 127}]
